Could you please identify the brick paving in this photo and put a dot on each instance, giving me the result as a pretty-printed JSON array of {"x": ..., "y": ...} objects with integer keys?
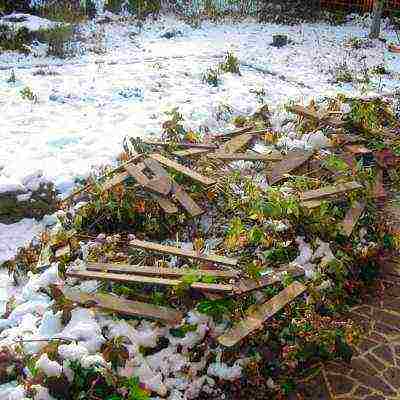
[{"x": 374, "y": 372}]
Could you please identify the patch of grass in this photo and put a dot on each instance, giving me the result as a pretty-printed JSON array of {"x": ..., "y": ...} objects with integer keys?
[
  {"x": 65, "y": 11},
  {"x": 27, "y": 94},
  {"x": 212, "y": 77},
  {"x": 231, "y": 64},
  {"x": 58, "y": 40}
]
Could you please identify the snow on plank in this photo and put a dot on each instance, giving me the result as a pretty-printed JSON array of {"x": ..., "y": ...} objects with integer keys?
[
  {"x": 159, "y": 271},
  {"x": 159, "y": 248},
  {"x": 274, "y": 156},
  {"x": 351, "y": 218},
  {"x": 249, "y": 285},
  {"x": 260, "y": 314},
  {"x": 147, "y": 280},
  {"x": 182, "y": 169},
  {"x": 330, "y": 191},
  {"x": 122, "y": 306},
  {"x": 235, "y": 144},
  {"x": 293, "y": 160}
]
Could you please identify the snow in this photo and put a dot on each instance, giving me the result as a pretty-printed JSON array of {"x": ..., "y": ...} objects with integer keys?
[
  {"x": 33, "y": 23},
  {"x": 16, "y": 235},
  {"x": 146, "y": 75}
]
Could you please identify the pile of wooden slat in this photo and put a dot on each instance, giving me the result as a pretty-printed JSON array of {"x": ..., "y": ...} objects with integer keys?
[{"x": 169, "y": 194}]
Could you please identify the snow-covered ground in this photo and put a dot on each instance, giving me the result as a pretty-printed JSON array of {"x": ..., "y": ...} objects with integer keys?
[{"x": 86, "y": 109}]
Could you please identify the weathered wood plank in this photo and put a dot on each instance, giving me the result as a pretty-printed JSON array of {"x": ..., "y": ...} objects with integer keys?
[
  {"x": 147, "y": 280},
  {"x": 260, "y": 314},
  {"x": 182, "y": 169},
  {"x": 357, "y": 149},
  {"x": 275, "y": 156},
  {"x": 177, "y": 192},
  {"x": 186, "y": 201},
  {"x": 249, "y": 285},
  {"x": 115, "y": 180},
  {"x": 235, "y": 144},
  {"x": 191, "y": 152},
  {"x": 351, "y": 218},
  {"x": 160, "y": 185},
  {"x": 159, "y": 271},
  {"x": 293, "y": 160},
  {"x": 122, "y": 306},
  {"x": 307, "y": 113},
  {"x": 166, "y": 205},
  {"x": 159, "y": 248},
  {"x": 183, "y": 145},
  {"x": 329, "y": 191}
]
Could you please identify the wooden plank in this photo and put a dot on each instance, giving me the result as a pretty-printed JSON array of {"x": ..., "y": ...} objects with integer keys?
[
  {"x": 159, "y": 248},
  {"x": 309, "y": 114},
  {"x": 184, "y": 145},
  {"x": 177, "y": 192},
  {"x": 122, "y": 306},
  {"x": 357, "y": 149},
  {"x": 235, "y": 144},
  {"x": 351, "y": 218},
  {"x": 275, "y": 156},
  {"x": 329, "y": 191},
  {"x": 249, "y": 285},
  {"x": 147, "y": 280},
  {"x": 115, "y": 180},
  {"x": 292, "y": 161},
  {"x": 311, "y": 204},
  {"x": 260, "y": 314},
  {"x": 159, "y": 271},
  {"x": 186, "y": 201},
  {"x": 165, "y": 204},
  {"x": 160, "y": 185},
  {"x": 191, "y": 152},
  {"x": 183, "y": 170}
]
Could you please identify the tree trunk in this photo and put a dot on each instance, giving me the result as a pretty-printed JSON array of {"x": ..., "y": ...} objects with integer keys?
[{"x": 377, "y": 16}]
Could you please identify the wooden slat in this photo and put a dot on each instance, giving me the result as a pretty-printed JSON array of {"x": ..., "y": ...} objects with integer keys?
[
  {"x": 191, "y": 152},
  {"x": 249, "y": 285},
  {"x": 260, "y": 314},
  {"x": 351, "y": 218},
  {"x": 159, "y": 271},
  {"x": 357, "y": 149},
  {"x": 183, "y": 253},
  {"x": 330, "y": 191},
  {"x": 292, "y": 161},
  {"x": 275, "y": 156},
  {"x": 160, "y": 185},
  {"x": 122, "y": 306},
  {"x": 235, "y": 144},
  {"x": 177, "y": 192},
  {"x": 182, "y": 169},
  {"x": 307, "y": 113},
  {"x": 186, "y": 201},
  {"x": 184, "y": 145},
  {"x": 115, "y": 180},
  {"x": 147, "y": 280},
  {"x": 165, "y": 204}
]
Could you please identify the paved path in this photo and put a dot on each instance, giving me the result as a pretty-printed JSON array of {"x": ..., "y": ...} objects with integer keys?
[{"x": 374, "y": 372}]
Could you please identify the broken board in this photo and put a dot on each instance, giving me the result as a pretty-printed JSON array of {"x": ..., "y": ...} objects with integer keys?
[
  {"x": 159, "y": 271},
  {"x": 191, "y": 152},
  {"x": 122, "y": 306},
  {"x": 183, "y": 170},
  {"x": 274, "y": 156},
  {"x": 307, "y": 113},
  {"x": 260, "y": 314},
  {"x": 351, "y": 218},
  {"x": 159, "y": 248},
  {"x": 146, "y": 280},
  {"x": 329, "y": 191},
  {"x": 293, "y": 160},
  {"x": 235, "y": 144},
  {"x": 249, "y": 285},
  {"x": 115, "y": 180}
]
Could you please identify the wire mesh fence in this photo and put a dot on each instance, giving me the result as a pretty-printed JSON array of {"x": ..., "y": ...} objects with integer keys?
[{"x": 359, "y": 5}]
